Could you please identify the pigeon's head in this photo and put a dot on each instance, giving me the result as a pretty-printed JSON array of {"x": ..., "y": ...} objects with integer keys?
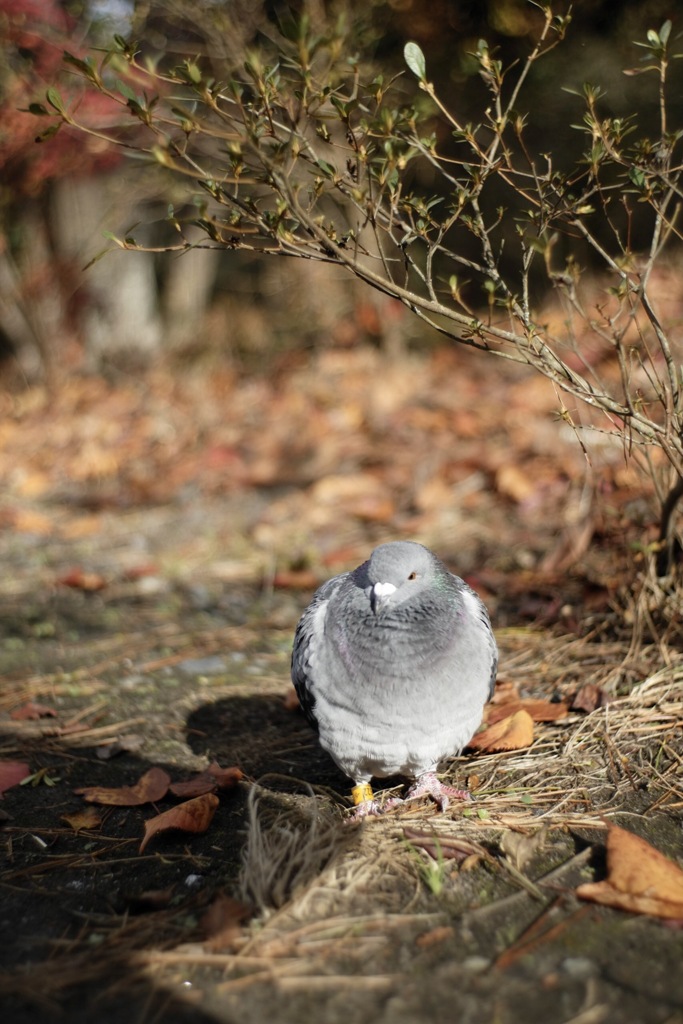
[{"x": 398, "y": 572}]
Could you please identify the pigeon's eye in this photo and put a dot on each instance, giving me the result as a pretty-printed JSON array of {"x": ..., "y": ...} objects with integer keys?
[{"x": 413, "y": 576}]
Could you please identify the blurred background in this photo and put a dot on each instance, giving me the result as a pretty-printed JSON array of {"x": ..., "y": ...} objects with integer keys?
[
  {"x": 59, "y": 196},
  {"x": 326, "y": 413}
]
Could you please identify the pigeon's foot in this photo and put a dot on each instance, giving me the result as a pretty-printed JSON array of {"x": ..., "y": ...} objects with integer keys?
[
  {"x": 429, "y": 785},
  {"x": 365, "y": 805}
]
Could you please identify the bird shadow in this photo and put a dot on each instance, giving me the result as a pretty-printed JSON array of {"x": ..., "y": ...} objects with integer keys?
[{"x": 264, "y": 738}]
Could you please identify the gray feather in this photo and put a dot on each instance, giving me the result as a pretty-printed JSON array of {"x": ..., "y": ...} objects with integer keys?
[{"x": 395, "y": 676}]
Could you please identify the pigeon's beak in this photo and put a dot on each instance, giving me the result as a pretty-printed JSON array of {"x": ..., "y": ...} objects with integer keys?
[{"x": 379, "y": 596}]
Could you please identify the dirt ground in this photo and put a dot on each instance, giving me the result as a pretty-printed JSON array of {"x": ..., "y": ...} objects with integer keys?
[{"x": 161, "y": 537}]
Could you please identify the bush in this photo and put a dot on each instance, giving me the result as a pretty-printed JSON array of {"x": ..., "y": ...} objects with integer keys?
[{"x": 302, "y": 152}]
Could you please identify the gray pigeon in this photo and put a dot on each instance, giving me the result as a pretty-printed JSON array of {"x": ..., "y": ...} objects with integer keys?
[{"x": 393, "y": 664}]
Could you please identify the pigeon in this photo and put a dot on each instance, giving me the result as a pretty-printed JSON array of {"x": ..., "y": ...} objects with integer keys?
[{"x": 393, "y": 663}]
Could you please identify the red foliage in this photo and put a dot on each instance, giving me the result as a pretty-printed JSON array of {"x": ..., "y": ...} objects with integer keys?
[{"x": 33, "y": 37}]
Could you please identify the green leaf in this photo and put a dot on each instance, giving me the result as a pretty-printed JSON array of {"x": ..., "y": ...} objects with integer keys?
[
  {"x": 48, "y": 133},
  {"x": 55, "y": 100},
  {"x": 38, "y": 109},
  {"x": 415, "y": 59},
  {"x": 637, "y": 176},
  {"x": 665, "y": 32},
  {"x": 126, "y": 91},
  {"x": 193, "y": 72}
]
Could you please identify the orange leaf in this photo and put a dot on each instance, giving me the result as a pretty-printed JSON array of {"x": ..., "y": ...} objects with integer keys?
[
  {"x": 192, "y": 816},
  {"x": 589, "y": 697},
  {"x": 223, "y": 920},
  {"x": 12, "y": 773},
  {"x": 295, "y": 579},
  {"x": 505, "y": 692},
  {"x": 89, "y": 817},
  {"x": 80, "y": 580},
  {"x": 513, "y": 483},
  {"x": 540, "y": 710},
  {"x": 291, "y": 700},
  {"x": 639, "y": 878},
  {"x": 208, "y": 781},
  {"x": 512, "y": 733},
  {"x": 149, "y": 788},
  {"x": 27, "y": 521},
  {"x": 31, "y": 711}
]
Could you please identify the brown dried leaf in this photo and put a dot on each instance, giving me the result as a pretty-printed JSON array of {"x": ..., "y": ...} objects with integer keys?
[
  {"x": 149, "y": 788},
  {"x": 513, "y": 733},
  {"x": 520, "y": 849},
  {"x": 191, "y": 816},
  {"x": 640, "y": 879},
  {"x": 12, "y": 773},
  {"x": 28, "y": 521},
  {"x": 505, "y": 692},
  {"x": 435, "y": 936},
  {"x": 295, "y": 579},
  {"x": 291, "y": 700},
  {"x": 89, "y": 817},
  {"x": 223, "y": 921},
  {"x": 32, "y": 711},
  {"x": 588, "y": 697},
  {"x": 81, "y": 580},
  {"x": 208, "y": 781},
  {"x": 540, "y": 710},
  {"x": 513, "y": 483}
]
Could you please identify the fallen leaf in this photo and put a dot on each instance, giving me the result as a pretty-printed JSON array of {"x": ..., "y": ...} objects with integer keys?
[
  {"x": 12, "y": 773},
  {"x": 432, "y": 938},
  {"x": 208, "y": 781},
  {"x": 520, "y": 849},
  {"x": 223, "y": 921},
  {"x": 27, "y": 521},
  {"x": 291, "y": 700},
  {"x": 295, "y": 579},
  {"x": 149, "y": 788},
  {"x": 505, "y": 692},
  {"x": 137, "y": 572},
  {"x": 89, "y": 817},
  {"x": 152, "y": 899},
  {"x": 33, "y": 484},
  {"x": 588, "y": 697},
  {"x": 539, "y": 710},
  {"x": 512, "y": 733},
  {"x": 81, "y": 580},
  {"x": 32, "y": 711},
  {"x": 640, "y": 879},
  {"x": 82, "y": 526},
  {"x": 191, "y": 816},
  {"x": 513, "y": 483}
]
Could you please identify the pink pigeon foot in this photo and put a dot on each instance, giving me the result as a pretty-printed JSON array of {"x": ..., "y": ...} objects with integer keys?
[{"x": 429, "y": 785}]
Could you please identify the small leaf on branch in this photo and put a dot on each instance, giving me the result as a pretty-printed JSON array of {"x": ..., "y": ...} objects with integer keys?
[
  {"x": 415, "y": 59},
  {"x": 55, "y": 100}
]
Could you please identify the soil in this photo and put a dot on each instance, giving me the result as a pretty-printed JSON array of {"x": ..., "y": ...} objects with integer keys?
[{"x": 152, "y": 641}]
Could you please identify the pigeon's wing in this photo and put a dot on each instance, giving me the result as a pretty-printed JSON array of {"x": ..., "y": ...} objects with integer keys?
[
  {"x": 310, "y": 633},
  {"x": 483, "y": 616}
]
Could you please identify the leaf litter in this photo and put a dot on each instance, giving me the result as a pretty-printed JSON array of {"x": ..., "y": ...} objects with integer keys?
[{"x": 291, "y": 481}]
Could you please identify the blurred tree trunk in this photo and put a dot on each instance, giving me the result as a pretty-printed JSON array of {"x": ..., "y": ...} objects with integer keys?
[{"x": 118, "y": 308}]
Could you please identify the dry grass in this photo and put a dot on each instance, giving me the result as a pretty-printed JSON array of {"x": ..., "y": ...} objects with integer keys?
[{"x": 578, "y": 773}]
